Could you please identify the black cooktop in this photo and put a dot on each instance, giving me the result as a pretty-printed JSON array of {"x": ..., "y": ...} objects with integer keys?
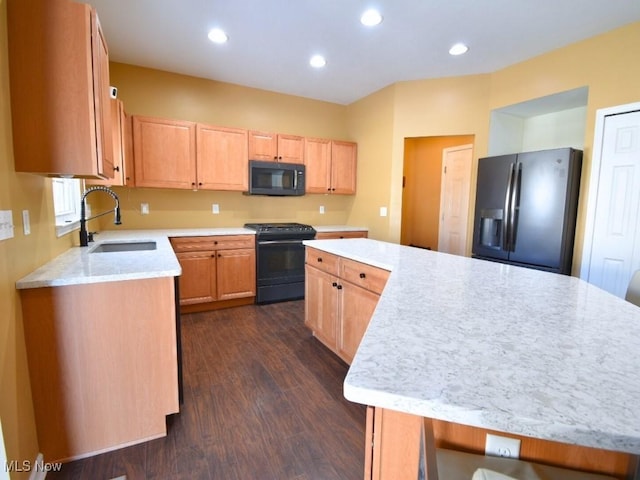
[{"x": 282, "y": 230}]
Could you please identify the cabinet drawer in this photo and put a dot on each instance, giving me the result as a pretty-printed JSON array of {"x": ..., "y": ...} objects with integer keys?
[
  {"x": 363, "y": 275},
  {"x": 344, "y": 234},
  {"x": 213, "y": 242},
  {"x": 322, "y": 260},
  {"x": 192, "y": 244},
  {"x": 227, "y": 242}
]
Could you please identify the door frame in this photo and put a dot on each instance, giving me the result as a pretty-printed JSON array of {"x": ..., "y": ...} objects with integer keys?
[
  {"x": 594, "y": 180},
  {"x": 468, "y": 146}
]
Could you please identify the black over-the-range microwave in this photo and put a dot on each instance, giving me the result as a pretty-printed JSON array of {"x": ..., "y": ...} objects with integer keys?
[{"x": 275, "y": 178}]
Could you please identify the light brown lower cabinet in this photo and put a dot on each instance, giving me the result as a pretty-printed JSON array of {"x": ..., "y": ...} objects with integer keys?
[
  {"x": 216, "y": 269},
  {"x": 340, "y": 297},
  {"x": 103, "y": 364}
]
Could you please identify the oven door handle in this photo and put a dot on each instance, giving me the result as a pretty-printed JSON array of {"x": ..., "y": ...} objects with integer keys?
[{"x": 275, "y": 242}]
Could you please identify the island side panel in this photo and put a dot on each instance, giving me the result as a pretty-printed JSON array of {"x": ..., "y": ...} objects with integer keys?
[{"x": 102, "y": 362}]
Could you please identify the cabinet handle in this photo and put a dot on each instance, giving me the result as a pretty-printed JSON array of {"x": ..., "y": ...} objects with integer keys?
[
  {"x": 116, "y": 168},
  {"x": 362, "y": 275},
  {"x": 320, "y": 259},
  {"x": 339, "y": 287}
]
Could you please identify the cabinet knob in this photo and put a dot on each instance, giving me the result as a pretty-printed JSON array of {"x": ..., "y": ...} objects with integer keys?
[
  {"x": 200, "y": 184},
  {"x": 362, "y": 275},
  {"x": 213, "y": 255},
  {"x": 320, "y": 259},
  {"x": 116, "y": 168},
  {"x": 328, "y": 189},
  {"x": 339, "y": 287},
  {"x": 219, "y": 255},
  {"x": 215, "y": 242},
  {"x": 334, "y": 284},
  {"x": 193, "y": 184}
]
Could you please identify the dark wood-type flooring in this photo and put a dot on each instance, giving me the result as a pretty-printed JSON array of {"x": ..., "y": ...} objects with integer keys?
[{"x": 263, "y": 400}]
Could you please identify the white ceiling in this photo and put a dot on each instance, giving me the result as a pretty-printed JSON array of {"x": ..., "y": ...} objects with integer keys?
[{"x": 271, "y": 41}]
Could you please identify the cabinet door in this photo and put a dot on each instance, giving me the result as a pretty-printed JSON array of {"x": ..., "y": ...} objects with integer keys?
[
  {"x": 263, "y": 146},
  {"x": 118, "y": 138},
  {"x": 198, "y": 280},
  {"x": 321, "y": 305},
  {"x": 222, "y": 158},
  {"x": 356, "y": 308},
  {"x": 343, "y": 167},
  {"x": 317, "y": 158},
  {"x": 102, "y": 99},
  {"x": 290, "y": 149},
  {"x": 59, "y": 78},
  {"x": 164, "y": 153},
  {"x": 236, "y": 273}
]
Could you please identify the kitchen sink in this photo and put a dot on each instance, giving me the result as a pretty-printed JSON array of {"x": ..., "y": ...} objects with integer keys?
[{"x": 124, "y": 247}]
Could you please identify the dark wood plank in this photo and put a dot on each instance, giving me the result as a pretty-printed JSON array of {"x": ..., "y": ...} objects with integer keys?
[{"x": 263, "y": 399}]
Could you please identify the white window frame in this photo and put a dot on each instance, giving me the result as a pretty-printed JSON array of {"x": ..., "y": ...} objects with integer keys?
[{"x": 67, "y": 193}]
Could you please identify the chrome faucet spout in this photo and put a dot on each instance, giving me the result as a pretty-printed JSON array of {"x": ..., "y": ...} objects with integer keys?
[{"x": 84, "y": 236}]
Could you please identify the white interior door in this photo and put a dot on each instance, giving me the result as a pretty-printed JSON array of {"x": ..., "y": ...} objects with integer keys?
[
  {"x": 612, "y": 237},
  {"x": 454, "y": 199}
]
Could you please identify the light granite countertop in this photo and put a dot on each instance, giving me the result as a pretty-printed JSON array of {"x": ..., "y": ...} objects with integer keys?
[
  {"x": 499, "y": 347},
  {"x": 79, "y": 265}
]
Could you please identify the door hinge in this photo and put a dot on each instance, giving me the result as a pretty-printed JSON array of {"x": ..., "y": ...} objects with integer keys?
[{"x": 445, "y": 169}]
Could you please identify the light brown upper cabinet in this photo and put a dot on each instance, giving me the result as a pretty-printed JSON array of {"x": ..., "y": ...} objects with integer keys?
[
  {"x": 222, "y": 158},
  {"x": 276, "y": 147},
  {"x": 178, "y": 154},
  {"x": 164, "y": 153},
  {"x": 59, "y": 74},
  {"x": 331, "y": 166},
  {"x": 121, "y": 140}
]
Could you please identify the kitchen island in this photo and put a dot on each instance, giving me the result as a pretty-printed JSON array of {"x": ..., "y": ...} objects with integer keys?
[{"x": 497, "y": 347}]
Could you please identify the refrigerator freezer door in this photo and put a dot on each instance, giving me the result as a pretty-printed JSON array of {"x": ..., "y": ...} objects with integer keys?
[
  {"x": 541, "y": 211},
  {"x": 490, "y": 215}
]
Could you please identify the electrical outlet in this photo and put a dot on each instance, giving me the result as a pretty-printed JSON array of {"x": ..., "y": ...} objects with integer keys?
[
  {"x": 502, "y": 446},
  {"x": 215, "y": 208},
  {"x": 383, "y": 211},
  {"x": 322, "y": 209},
  {"x": 144, "y": 208}
]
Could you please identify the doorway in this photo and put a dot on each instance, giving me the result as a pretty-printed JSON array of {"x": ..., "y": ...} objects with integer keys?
[
  {"x": 611, "y": 247},
  {"x": 421, "y": 193}
]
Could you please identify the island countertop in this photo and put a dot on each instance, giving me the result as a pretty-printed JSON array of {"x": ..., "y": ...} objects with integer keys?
[{"x": 498, "y": 347}]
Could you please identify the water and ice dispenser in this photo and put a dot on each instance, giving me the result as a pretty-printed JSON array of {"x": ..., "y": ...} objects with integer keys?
[{"x": 491, "y": 221}]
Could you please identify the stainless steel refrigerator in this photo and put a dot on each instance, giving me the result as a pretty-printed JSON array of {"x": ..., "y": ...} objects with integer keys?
[{"x": 526, "y": 207}]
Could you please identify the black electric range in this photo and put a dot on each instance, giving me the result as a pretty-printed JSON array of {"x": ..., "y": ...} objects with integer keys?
[{"x": 280, "y": 260}]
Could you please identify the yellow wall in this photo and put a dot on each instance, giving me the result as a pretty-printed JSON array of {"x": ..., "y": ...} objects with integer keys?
[
  {"x": 607, "y": 64},
  {"x": 19, "y": 256},
  {"x": 152, "y": 92}
]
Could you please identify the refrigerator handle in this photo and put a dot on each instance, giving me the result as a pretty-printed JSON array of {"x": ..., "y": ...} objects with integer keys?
[
  {"x": 506, "y": 229},
  {"x": 515, "y": 194}
]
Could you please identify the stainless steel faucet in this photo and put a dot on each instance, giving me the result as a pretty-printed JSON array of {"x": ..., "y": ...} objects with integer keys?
[{"x": 84, "y": 236}]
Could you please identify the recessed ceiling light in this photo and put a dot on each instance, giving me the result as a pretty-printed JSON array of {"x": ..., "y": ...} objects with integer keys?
[
  {"x": 317, "y": 61},
  {"x": 458, "y": 49},
  {"x": 371, "y": 18},
  {"x": 216, "y": 35}
]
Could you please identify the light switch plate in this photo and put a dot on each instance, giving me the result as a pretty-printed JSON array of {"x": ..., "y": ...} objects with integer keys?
[
  {"x": 6, "y": 224},
  {"x": 26, "y": 222},
  {"x": 144, "y": 208},
  {"x": 383, "y": 211}
]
